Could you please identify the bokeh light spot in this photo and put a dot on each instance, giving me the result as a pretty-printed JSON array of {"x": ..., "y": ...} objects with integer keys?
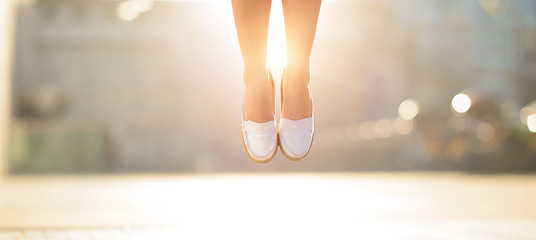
[
  {"x": 485, "y": 132},
  {"x": 404, "y": 127},
  {"x": 531, "y": 122},
  {"x": 461, "y": 103},
  {"x": 384, "y": 128},
  {"x": 525, "y": 112},
  {"x": 142, "y": 5},
  {"x": 408, "y": 109},
  {"x": 126, "y": 11}
]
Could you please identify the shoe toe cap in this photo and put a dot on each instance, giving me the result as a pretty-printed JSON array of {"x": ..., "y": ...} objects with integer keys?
[
  {"x": 296, "y": 136},
  {"x": 260, "y": 139},
  {"x": 296, "y": 143},
  {"x": 260, "y": 144}
]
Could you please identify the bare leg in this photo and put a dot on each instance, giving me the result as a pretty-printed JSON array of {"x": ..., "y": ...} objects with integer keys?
[
  {"x": 251, "y": 20},
  {"x": 301, "y": 17}
]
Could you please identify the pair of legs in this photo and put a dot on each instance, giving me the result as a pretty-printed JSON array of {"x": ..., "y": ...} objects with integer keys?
[{"x": 251, "y": 20}]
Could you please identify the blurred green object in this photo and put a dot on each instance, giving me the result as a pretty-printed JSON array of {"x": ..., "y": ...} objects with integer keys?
[{"x": 45, "y": 147}]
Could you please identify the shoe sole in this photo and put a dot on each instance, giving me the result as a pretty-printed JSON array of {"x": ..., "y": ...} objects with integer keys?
[
  {"x": 291, "y": 158},
  {"x": 257, "y": 160}
]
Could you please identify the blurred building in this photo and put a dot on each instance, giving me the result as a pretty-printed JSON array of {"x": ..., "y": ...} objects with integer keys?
[
  {"x": 101, "y": 87},
  {"x": 112, "y": 94}
]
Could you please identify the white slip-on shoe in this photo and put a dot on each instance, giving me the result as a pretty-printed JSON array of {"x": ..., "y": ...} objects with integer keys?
[
  {"x": 295, "y": 136},
  {"x": 260, "y": 139}
]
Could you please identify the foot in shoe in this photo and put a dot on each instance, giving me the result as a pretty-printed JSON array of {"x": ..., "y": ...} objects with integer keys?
[
  {"x": 295, "y": 137},
  {"x": 260, "y": 140},
  {"x": 259, "y": 131},
  {"x": 296, "y": 127}
]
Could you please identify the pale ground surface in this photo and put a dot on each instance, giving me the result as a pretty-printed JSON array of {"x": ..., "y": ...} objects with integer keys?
[{"x": 270, "y": 206}]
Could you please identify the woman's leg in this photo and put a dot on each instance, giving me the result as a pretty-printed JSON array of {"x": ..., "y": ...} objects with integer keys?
[
  {"x": 301, "y": 17},
  {"x": 251, "y": 20}
]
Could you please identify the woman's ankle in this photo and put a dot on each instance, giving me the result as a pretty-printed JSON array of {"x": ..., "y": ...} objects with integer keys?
[
  {"x": 259, "y": 97},
  {"x": 297, "y": 75},
  {"x": 297, "y": 99},
  {"x": 255, "y": 75}
]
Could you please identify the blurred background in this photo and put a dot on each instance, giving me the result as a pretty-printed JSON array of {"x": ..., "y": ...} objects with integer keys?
[{"x": 140, "y": 86}]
